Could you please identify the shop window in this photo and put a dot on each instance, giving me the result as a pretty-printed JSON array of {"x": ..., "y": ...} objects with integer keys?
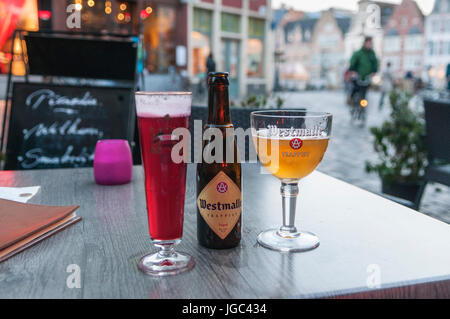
[
  {"x": 255, "y": 47},
  {"x": 13, "y": 16},
  {"x": 106, "y": 16},
  {"x": 201, "y": 40},
  {"x": 159, "y": 39}
]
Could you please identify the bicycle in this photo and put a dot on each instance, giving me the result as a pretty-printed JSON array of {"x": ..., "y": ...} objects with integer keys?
[{"x": 359, "y": 102}]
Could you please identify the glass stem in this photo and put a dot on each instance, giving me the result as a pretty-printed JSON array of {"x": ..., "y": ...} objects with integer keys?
[
  {"x": 289, "y": 193},
  {"x": 166, "y": 250}
]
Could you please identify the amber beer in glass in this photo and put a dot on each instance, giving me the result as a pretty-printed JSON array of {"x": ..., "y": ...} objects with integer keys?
[
  {"x": 290, "y": 145},
  {"x": 292, "y": 163},
  {"x": 219, "y": 195}
]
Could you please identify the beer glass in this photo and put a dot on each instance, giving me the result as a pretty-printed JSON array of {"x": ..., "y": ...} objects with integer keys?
[
  {"x": 290, "y": 145},
  {"x": 159, "y": 114}
]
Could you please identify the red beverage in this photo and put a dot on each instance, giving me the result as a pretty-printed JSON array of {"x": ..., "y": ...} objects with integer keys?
[
  {"x": 165, "y": 181},
  {"x": 159, "y": 114}
]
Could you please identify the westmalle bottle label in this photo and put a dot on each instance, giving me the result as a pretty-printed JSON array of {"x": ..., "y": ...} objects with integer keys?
[{"x": 220, "y": 204}]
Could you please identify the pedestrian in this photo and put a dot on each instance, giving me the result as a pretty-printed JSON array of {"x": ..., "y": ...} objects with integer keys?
[
  {"x": 408, "y": 83},
  {"x": 426, "y": 78},
  {"x": 210, "y": 67},
  {"x": 210, "y": 64},
  {"x": 348, "y": 81},
  {"x": 387, "y": 84},
  {"x": 448, "y": 76}
]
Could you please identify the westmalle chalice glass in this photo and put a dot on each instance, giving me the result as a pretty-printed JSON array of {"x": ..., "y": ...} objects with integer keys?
[
  {"x": 159, "y": 114},
  {"x": 290, "y": 145}
]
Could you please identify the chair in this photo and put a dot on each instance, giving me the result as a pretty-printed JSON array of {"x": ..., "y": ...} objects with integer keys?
[{"x": 437, "y": 117}]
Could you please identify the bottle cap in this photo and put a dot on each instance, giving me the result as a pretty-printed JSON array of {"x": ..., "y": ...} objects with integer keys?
[{"x": 218, "y": 78}]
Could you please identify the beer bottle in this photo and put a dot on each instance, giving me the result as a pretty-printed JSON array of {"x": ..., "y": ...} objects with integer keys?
[{"x": 219, "y": 192}]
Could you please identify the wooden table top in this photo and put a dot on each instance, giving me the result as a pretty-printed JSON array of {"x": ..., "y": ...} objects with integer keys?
[{"x": 365, "y": 240}]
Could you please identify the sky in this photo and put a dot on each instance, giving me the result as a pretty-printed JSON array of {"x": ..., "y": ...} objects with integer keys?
[{"x": 318, "y": 5}]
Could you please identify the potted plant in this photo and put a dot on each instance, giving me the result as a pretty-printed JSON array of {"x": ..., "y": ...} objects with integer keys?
[
  {"x": 400, "y": 146},
  {"x": 261, "y": 101}
]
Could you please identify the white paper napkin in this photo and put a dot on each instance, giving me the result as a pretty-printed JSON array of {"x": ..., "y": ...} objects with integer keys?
[{"x": 19, "y": 194}]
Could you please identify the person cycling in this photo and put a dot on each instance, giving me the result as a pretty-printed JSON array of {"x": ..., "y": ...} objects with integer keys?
[{"x": 363, "y": 65}]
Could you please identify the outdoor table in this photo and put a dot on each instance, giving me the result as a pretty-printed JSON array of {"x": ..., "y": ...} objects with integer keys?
[{"x": 363, "y": 238}]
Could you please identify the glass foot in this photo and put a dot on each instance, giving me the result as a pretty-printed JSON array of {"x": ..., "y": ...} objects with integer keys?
[
  {"x": 158, "y": 264},
  {"x": 288, "y": 242}
]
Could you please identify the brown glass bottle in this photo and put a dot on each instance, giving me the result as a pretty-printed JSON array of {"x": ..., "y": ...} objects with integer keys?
[{"x": 219, "y": 192}]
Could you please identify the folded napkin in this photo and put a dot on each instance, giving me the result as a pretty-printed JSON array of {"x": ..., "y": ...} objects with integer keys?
[{"x": 19, "y": 194}]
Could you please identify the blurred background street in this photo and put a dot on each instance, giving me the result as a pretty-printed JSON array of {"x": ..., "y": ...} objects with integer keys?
[
  {"x": 278, "y": 53},
  {"x": 351, "y": 146}
]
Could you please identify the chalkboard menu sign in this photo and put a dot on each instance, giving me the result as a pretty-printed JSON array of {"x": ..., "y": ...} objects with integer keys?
[{"x": 55, "y": 126}]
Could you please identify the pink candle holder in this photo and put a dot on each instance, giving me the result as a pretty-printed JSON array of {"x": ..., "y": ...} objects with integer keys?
[{"x": 113, "y": 163}]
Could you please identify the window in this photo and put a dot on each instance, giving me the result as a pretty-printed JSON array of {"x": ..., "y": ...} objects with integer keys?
[
  {"x": 447, "y": 26},
  {"x": 435, "y": 26},
  {"x": 392, "y": 44},
  {"x": 159, "y": 39},
  {"x": 430, "y": 48},
  {"x": 256, "y": 27},
  {"x": 94, "y": 18},
  {"x": 201, "y": 40},
  {"x": 307, "y": 35},
  {"x": 231, "y": 23},
  {"x": 255, "y": 47},
  {"x": 328, "y": 41},
  {"x": 202, "y": 20},
  {"x": 404, "y": 22},
  {"x": 413, "y": 42},
  {"x": 446, "y": 47},
  {"x": 295, "y": 35},
  {"x": 445, "y": 6},
  {"x": 412, "y": 62}
]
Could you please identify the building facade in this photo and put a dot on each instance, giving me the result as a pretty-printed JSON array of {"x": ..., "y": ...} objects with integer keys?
[
  {"x": 404, "y": 41},
  {"x": 239, "y": 35},
  {"x": 369, "y": 20},
  {"x": 437, "y": 34},
  {"x": 328, "y": 61},
  {"x": 314, "y": 50},
  {"x": 294, "y": 42},
  {"x": 178, "y": 36}
]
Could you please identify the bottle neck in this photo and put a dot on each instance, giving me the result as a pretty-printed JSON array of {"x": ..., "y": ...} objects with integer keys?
[{"x": 218, "y": 105}]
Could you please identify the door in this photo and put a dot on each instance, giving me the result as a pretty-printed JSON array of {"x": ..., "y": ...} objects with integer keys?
[{"x": 230, "y": 64}]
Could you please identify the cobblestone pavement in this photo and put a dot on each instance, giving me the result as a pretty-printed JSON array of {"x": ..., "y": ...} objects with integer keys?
[{"x": 351, "y": 146}]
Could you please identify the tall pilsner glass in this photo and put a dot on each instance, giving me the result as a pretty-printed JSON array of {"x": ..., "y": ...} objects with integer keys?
[
  {"x": 159, "y": 114},
  {"x": 290, "y": 145}
]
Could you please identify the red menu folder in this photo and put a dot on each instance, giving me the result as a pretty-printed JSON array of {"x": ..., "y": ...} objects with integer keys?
[{"x": 24, "y": 225}]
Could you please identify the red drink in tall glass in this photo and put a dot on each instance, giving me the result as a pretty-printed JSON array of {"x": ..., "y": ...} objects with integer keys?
[
  {"x": 159, "y": 114},
  {"x": 165, "y": 181}
]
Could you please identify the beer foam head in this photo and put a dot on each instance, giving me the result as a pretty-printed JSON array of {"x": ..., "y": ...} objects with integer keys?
[{"x": 160, "y": 104}]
